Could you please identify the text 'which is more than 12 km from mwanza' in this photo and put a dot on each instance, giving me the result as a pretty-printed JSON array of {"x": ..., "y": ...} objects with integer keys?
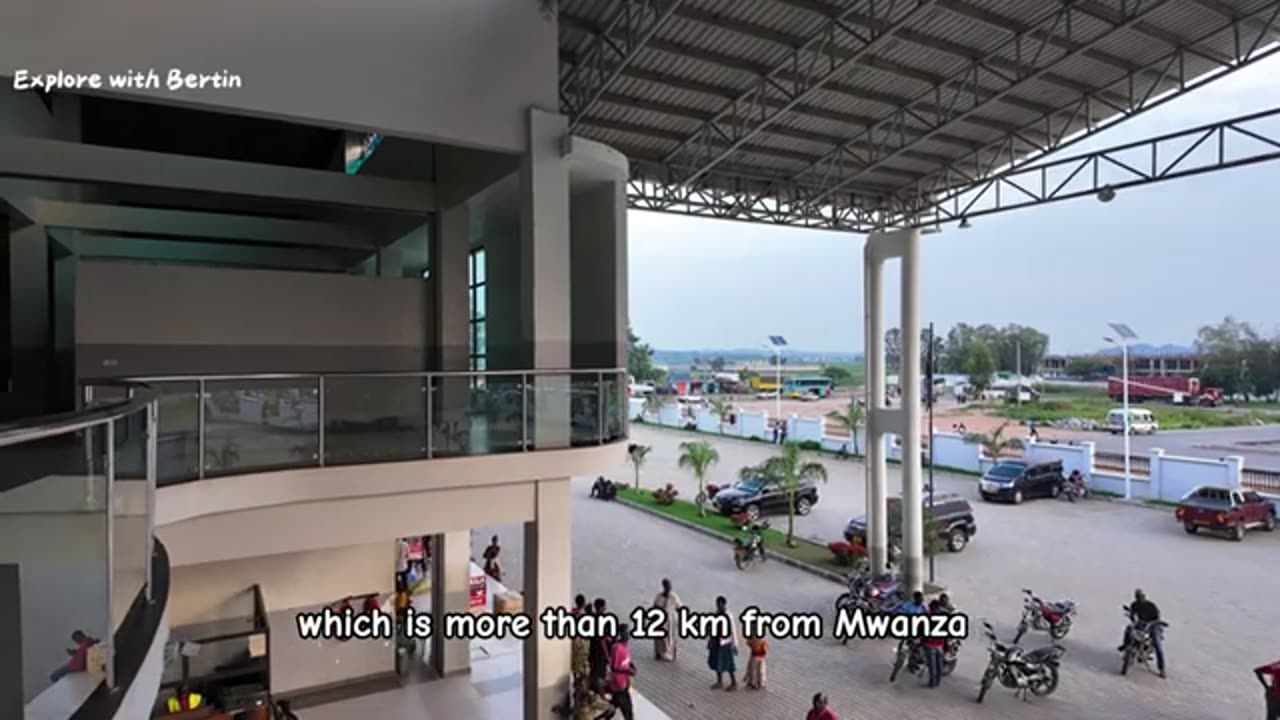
[{"x": 645, "y": 623}]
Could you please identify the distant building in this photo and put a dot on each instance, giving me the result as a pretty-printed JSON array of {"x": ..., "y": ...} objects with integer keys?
[{"x": 1055, "y": 366}]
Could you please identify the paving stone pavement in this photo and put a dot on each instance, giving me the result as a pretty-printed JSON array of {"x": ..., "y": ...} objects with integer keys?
[{"x": 1217, "y": 595}]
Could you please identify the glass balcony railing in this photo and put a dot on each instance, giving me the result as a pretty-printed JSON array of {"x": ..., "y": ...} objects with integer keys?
[
  {"x": 77, "y": 554},
  {"x": 219, "y": 425}
]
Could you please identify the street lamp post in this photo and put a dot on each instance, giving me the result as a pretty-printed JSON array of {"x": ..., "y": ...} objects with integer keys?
[
  {"x": 776, "y": 343},
  {"x": 1125, "y": 335},
  {"x": 930, "y": 389}
]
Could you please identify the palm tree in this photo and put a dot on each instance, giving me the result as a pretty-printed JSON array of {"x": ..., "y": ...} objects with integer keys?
[
  {"x": 789, "y": 469},
  {"x": 636, "y": 455},
  {"x": 653, "y": 403},
  {"x": 698, "y": 456},
  {"x": 851, "y": 418},
  {"x": 721, "y": 408},
  {"x": 995, "y": 443}
]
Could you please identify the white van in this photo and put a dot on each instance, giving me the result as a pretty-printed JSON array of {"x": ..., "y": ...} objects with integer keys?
[{"x": 1141, "y": 422}]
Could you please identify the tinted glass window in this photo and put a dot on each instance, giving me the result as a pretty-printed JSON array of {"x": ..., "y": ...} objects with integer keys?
[
  {"x": 751, "y": 486},
  {"x": 1252, "y": 497},
  {"x": 949, "y": 509},
  {"x": 1008, "y": 470}
]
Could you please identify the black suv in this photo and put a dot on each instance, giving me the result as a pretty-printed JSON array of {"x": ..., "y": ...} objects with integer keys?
[
  {"x": 952, "y": 513},
  {"x": 1016, "y": 480},
  {"x": 758, "y": 496}
]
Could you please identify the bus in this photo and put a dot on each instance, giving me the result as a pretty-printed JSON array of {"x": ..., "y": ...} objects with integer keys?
[{"x": 808, "y": 387}]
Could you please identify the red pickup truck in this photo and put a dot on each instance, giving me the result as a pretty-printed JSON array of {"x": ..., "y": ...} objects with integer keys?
[{"x": 1225, "y": 510}]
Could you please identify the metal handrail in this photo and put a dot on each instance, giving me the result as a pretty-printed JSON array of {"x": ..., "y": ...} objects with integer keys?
[
  {"x": 45, "y": 426},
  {"x": 409, "y": 374}
]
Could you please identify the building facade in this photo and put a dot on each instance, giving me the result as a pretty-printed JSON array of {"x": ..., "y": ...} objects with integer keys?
[{"x": 313, "y": 344}]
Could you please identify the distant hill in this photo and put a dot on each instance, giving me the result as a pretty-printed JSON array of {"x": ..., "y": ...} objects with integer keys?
[
  {"x": 739, "y": 355},
  {"x": 1145, "y": 350}
]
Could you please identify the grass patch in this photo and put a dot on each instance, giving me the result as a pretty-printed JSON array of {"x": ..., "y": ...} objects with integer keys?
[
  {"x": 1063, "y": 403},
  {"x": 775, "y": 541}
]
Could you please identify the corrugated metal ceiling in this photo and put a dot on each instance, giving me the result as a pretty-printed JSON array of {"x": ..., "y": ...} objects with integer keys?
[{"x": 710, "y": 52}]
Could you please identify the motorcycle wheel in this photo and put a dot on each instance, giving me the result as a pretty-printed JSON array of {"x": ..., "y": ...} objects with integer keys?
[
  {"x": 899, "y": 658},
  {"x": 949, "y": 666},
  {"x": 1046, "y": 688},
  {"x": 1059, "y": 631},
  {"x": 985, "y": 685},
  {"x": 1128, "y": 660},
  {"x": 739, "y": 561},
  {"x": 843, "y": 601}
]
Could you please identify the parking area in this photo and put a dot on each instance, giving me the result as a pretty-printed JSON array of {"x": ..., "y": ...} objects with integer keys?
[{"x": 1218, "y": 597}]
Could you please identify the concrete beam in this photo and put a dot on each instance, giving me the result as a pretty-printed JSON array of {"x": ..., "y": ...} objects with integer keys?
[
  {"x": 57, "y": 160},
  {"x": 126, "y": 248},
  {"x": 184, "y": 223}
]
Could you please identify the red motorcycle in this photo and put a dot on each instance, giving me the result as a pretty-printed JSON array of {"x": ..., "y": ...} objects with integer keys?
[{"x": 1052, "y": 617}]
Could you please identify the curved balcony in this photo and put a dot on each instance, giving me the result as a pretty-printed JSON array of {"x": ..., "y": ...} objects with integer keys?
[
  {"x": 218, "y": 425},
  {"x": 83, "y": 583}
]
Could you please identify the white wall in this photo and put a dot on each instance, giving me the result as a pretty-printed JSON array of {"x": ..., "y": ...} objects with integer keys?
[
  {"x": 1073, "y": 457},
  {"x": 1176, "y": 476},
  {"x": 950, "y": 450},
  {"x": 293, "y": 583},
  {"x": 460, "y": 71},
  {"x": 755, "y": 425}
]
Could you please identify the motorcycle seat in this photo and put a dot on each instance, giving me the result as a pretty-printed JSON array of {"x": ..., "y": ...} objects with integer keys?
[
  {"x": 1061, "y": 607},
  {"x": 1041, "y": 655}
]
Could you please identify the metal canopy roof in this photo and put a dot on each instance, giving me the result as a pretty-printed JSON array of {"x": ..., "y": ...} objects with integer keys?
[{"x": 858, "y": 114}]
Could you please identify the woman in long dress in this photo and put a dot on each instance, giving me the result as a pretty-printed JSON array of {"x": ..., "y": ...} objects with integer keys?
[{"x": 664, "y": 648}]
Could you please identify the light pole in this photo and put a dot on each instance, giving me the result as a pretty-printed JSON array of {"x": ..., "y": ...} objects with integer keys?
[
  {"x": 776, "y": 343},
  {"x": 930, "y": 389},
  {"x": 1125, "y": 335}
]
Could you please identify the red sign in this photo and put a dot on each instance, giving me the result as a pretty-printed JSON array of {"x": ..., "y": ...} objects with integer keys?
[{"x": 479, "y": 592}]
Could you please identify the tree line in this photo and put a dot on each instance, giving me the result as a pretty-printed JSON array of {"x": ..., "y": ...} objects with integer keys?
[{"x": 977, "y": 351}]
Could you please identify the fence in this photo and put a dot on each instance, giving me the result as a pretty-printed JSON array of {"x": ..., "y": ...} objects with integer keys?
[
  {"x": 1267, "y": 481},
  {"x": 1138, "y": 464}
]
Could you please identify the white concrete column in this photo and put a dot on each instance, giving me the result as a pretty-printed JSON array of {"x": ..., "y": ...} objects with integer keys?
[
  {"x": 877, "y": 469},
  {"x": 1156, "y": 472},
  {"x": 1235, "y": 471},
  {"x": 547, "y": 583},
  {"x": 912, "y": 394},
  {"x": 450, "y": 593},
  {"x": 545, "y": 256}
]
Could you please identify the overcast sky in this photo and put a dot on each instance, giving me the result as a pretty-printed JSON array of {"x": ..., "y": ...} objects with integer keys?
[{"x": 1165, "y": 258}]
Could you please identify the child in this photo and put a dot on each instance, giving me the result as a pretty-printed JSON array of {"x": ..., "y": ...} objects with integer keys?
[{"x": 755, "y": 666}]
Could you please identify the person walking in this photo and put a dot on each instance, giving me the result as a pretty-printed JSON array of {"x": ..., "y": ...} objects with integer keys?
[
  {"x": 756, "y": 675},
  {"x": 723, "y": 649},
  {"x": 664, "y": 647},
  {"x": 621, "y": 670},
  {"x": 492, "y": 565},
  {"x": 820, "y": 709}
]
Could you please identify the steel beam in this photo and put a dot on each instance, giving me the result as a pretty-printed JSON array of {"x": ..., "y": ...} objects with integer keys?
[
  {"x": 184, "y": 223},
  {"x": 1240, "y": 141},
  {"x": 1236, "y": 142},
  {"x": 724, "y": 93},
  {"x": 1247, "y": 35},
  {"x": 964, "y": 94},
  {"x": 62, "y": 161},
  {"x": 744, "y": 118},
  {"x": 607, "y": 57}
]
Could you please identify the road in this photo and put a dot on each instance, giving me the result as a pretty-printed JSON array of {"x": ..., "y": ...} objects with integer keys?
[
  {"x": 1214, "y": 593},
  {"x": 1258, "y": 445}
]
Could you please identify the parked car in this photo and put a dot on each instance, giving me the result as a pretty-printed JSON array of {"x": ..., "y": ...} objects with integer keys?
[
  {"x": 1221, "y": 509},
  {"x": 1017, "y": 480},
  {"x": 760, "y": 496},
  {"x": 953, "y": 514}
]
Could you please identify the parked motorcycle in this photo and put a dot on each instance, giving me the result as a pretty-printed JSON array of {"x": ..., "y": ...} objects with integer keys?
[
  {"x": 1139, "y": 648},
  {"x": 910, "y": 654},
  {"x": 1073, "y": 488},
  {"x": 1020, "y": 670},
  {"x": 1053, "y": 617},
  {"x": 750, "y": 551}
]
